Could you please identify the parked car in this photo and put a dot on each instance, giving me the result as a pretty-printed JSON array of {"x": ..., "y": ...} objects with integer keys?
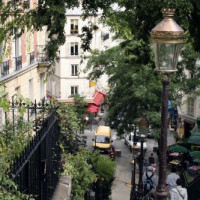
[{"x": 128, "y": 140}]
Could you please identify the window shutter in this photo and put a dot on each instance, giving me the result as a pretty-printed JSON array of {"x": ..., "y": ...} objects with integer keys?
[{"x": 67, "y": 49}]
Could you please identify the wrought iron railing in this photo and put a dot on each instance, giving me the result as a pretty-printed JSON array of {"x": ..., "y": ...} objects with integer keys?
[
  {"x": 18, "y": 63},
  {"x": 42, "y": 53},
  {"x": 5, "y": 68},
  {"x": 36, "y": 171}
]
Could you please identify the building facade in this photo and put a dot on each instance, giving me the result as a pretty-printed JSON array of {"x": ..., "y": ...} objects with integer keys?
[
  {"x": 188, "y": 111},
  {"x": 23, "y": 65},
  {"x": 70, "y": 77}
]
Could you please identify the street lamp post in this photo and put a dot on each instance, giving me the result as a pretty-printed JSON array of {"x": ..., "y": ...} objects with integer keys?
[
  {"x": 135, "y": 149},
  {"x": 167, "y": 36},
  {"x": 141, "y": 159}
]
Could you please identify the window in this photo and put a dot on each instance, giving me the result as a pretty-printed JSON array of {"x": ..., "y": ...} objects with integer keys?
[
  {"x": 74, "y": 26},
  {"x": 74, "y": 90},
  {"x": 74, "y": 70},
  {"x": 42, "y": 86},
  {"x": 74, "y": 48},
  {"x": 106, "y": 36},
  {"x": 18, "y": 90}
]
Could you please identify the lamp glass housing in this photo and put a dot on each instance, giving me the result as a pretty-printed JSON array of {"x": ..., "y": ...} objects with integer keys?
[{"x": 166, "y": 55}]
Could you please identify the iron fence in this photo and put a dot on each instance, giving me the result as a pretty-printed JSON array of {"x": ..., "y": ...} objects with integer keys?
[{"x": 36, "y": 170}]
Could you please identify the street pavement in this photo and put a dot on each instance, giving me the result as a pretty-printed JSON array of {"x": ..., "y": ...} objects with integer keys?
[{"x": 121, "y": 187}]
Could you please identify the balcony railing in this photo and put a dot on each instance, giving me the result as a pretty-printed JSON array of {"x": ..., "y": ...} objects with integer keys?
[
  {"x": 42, "y": 54},
  {"x": 5, "y": 68},
  {"x": 18, "y": 63},
  {"x": 32, "y": 57},
  {"x": 74, "y": 31}
]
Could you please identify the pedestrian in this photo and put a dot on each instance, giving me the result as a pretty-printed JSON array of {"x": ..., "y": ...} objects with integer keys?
[
  {"x": 150, "y": 180},
  {"x": 178, "y": 192},
  {"x": 172, "y": 178},
  {"x": 146, "y": 164},
  {"x": 151, "y": 159}
]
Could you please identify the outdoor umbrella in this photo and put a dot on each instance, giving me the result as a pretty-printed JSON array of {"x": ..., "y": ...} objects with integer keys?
[
  {"x": 194, "y": 139},
  {"x": 177, "y": 149},
  {"x": 195, "y": 155}
]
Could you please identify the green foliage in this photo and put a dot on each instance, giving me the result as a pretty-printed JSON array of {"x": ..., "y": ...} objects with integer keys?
[
  {"x": 86, "y": 169},
  {"x": 72, "y": 122},
  {"x": 104, "y": 168},
  {"x": 8, "y": 191},
  {"x": 11, "y": 147},
  {"x": 13, "y": 141},
  {"x": 134, "y": 85},
  {"x": 81, "y": 172},
  {"x": 17, "y": 16},
  {"x": 13, "y": 144}
]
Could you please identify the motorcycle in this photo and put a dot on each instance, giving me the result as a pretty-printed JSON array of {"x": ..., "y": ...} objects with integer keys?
[{"x": 112, "y": 153}]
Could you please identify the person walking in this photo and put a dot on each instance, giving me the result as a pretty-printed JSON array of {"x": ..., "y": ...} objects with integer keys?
[
  {"x": 151, "y": 159},
  {"x": 152, "y": 162},
  {"x": 178, "y": 192},
  {"x": 150, "y": 180},
  {"x": 172, "y": 178}
]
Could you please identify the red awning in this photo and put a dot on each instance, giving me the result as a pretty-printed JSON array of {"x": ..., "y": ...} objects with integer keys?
[
  {"x": 92, "y": 108},
  {"x": 98, "y": 97}
]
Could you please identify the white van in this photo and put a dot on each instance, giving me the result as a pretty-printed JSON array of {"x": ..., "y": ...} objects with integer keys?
[{"x": 128, "y": 140}]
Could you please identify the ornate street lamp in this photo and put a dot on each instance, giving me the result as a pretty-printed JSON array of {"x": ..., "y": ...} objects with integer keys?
[
  {"x": 135, "y": 150},
  {"x": 141, "y": 161},
  {"x": 167, "y": 37}
]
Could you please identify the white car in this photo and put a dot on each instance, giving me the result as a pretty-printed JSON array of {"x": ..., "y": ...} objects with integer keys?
[{"x": 128, "y": 140}]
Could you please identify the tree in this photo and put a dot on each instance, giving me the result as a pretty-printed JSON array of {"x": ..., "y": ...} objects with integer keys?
[{"x": 134, "y": 85}]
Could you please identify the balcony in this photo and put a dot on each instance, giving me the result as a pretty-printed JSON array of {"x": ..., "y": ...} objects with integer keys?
[
  {"x": 5, "y": 68},
  {"x": 42, "y": 54},
  {"x": 18, "y": 63},
  {"x": 32, "y": 57},
  {"x": 74, "y": 31}
]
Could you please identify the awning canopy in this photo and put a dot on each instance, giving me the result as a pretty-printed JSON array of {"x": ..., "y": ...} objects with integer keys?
[
  {"x": 98, "y": 98},
  {"x": 92, "y": 108}
]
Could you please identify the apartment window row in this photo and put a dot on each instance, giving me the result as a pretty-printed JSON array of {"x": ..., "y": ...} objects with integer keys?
[{"x": 74, "y": 26}]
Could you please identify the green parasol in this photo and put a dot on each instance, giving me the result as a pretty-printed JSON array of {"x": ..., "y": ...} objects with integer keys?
[
  {"x": 177, "y": 149},
  {"x": 195, "y": 155},
  {"x": 194, "y": 139}
]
